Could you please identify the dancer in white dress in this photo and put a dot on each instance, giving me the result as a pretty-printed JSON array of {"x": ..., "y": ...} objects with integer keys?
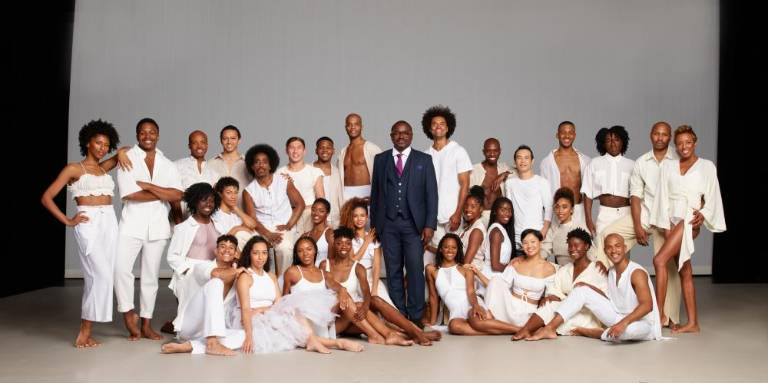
[
  {"x": 579, "y": 270},
  {"x": 321, "y": 232},
  {"x": 687, "y": 197},
  {"x": 273, "y": 323},
  {"x": 515, "y": 296},
  {"x": 95, "y": 222},
  {"x": 453, "y": 284},
  {"x": 628, "y": 307},
  {"x": 365, "y": 246},
  {"x": 499, "y": 242}
]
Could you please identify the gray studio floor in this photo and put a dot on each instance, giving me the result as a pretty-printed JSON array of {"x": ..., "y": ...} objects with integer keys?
[{"x": 37, "y": 330}]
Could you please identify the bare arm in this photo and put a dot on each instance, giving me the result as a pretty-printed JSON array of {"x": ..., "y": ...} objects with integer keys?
[
  {"x": 375, "y": 272},
  {"x": 636, "y": 207},
  {"x": 475, "y": 241},
  {"x": 496, "y": 238},
  {"x": 290, "y": 278},
  {"x": 588, "y": 215},
  {"x": 248, "y": 221},
  {"x": 243, "y": 295},
  {"x": 434, "y": 298},
  {"x": 297, "y": 204},
  {"x": 362, "y": 280},
  {"x": 455, "y": 219},
  {"x": 66, "y": 175},
  {"x": 111, "y": 162},
  {"x": 319, "y": 188},
  {"x": 162, "y": 193},
  {"x": 644, "y": 303}
]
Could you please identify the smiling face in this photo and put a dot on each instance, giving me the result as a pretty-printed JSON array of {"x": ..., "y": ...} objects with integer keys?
[
  {"x": 259, "y": 255},
  {"x": 359, "y": 217},
  {"x": 306, "y": 252},
  {"x": 449, "y": 249},
  {"x": 206, "y": 205},
  {"x": 229, "y": 140},
  {"x": 319, "y": 213},
  {"x": 615, "y": 248},
  {"x": 438, "y": 127},
  {"x": 324, "y": 151},
  {"x": 226, "y": 252},
  {"x": 577, "y": 248},
  {"x": 472, "y": 209},
  {"x": 504, "y": 213},
  {"x": 147, "y": 136},
  {"x": 685, "y": 143},
  {"x": 491, "y": 151},
  {"x": 566, "y": 134},
  {"x": 354, "y": 126},
  {"x": 295, "y": 151},
  {"x": 524, "y": 160},
  {"x": 342, "y": 247},
  {"x": 531, "y": 245},
  {"x": 563, "y": 210},
  {"x": 198, "y": 145},
  {"x": 98, "y": 146}
]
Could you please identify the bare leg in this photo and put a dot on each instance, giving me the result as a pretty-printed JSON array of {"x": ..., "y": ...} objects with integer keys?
[
  {"x": 84, "y": 336},
  {"x": 533, "y": 324},
  {"x": 391, "y": 337},
  {"x": 493, "y": 326},
  {"x": 313, "y": 342},
  {"x": 393, "y": 315},
  {"x": 689, "y": 295},
  {"x": 548, "y": 331},
  {"x": 131, "y": 319},
  {"x": 670, "y": 249},
  {"x": 176, "y": 348},
  {"x": 147, "y": 331},
  {"x": 347, "y": 319},
  {"x": 341, "y": 344},
  {"x": 459, "y": 326},
  {"x": 595, "y": 333}
]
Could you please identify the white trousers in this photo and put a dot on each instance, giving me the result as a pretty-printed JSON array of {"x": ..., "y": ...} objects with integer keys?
[
  {"x": 204, "y": 315},
  {"x": 151, "y": 255},
  {"x": 97, "y": 247},
  {"x": 605, "y": 312},
  {"x": 608, "y": 215}
]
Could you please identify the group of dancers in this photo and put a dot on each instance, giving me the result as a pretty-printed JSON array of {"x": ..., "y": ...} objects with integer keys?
[{"x": 388, "y": 244}]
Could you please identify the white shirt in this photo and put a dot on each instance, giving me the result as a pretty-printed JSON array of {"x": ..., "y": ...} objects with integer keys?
[
  {"x": 272, "y": 205},
  {"x": 450, "y": 161},
  {"x": 238, "y": 172},
  {"x": 607, "y": 175},
  {"x": 190, "y": 175},
  {"x": 304, "y": 180},
  {"x": 405, "y": 154},
  {"x": 367, "y": 259},
  {"x": 645, "y": 179},
  {"x": 531, "y": 202},
  {"x": 332, "y": 187},
  {"x": 224, "y": 222},
  {"x": 146, "y": 220},
  {"x": 477, "y": 175},
  {"x": 549, "y": 170}
]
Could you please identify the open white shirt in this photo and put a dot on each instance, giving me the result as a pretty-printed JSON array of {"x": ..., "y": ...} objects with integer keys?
[
  {"x": 607, "y": 175},
  {"x": 549, "y": 170},
  {"x": 146, "y": 220},
  {"x": 190, "y": 174},
  {"x": 645, "y": 179},
  {"x": 450, "y": 161}
]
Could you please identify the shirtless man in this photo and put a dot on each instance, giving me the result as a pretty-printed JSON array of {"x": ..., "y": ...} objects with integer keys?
[
  {"x": 356, "y": 160},
  {"x": 565, "y": 167},
  {"x": 486, "y": 172}
]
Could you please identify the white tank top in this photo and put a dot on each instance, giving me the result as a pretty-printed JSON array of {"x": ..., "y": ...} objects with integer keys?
[
  {"x": 304, "y": 285},
  {"x": 479, "y": 258},
  {"x": 352, "y": 284},
  {"x": 92, "y": 185},
  {"x": 505, "y": 252},
  {"x": 262, "y": 292},
  {"x": 322, "y": 248},
  {"x": 449, "y": 279}
]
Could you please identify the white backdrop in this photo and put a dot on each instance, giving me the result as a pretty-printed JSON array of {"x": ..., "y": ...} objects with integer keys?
[{"x": 509, "y": 69}]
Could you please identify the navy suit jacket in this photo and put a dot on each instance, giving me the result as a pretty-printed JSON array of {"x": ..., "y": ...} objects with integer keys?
[{"x": 421, "y": 192}]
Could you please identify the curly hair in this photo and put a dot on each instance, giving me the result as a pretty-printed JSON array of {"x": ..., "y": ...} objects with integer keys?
[
  {"x": 564, "y": 193},
  {"x": 616, "y": 130},
  {"x": 94, "y": 128},
  {"x": 348, "y": 208},
  {"x": 245, "y": 257},
  {"x": 197, "y": 192},
  {"x": 270, "y": 152},
  {"x": 459, "y": 249},
  {"x": 477, "y": 193},
  {"x": 686, "y": 129},
  {"x": 438, "y": 111},
  {"x": 581, "y": 234},
  {"x": 225, "y": 182}
]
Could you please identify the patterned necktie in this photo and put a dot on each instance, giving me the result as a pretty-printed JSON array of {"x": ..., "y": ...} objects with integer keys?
[{"x": 399, "y": 164}]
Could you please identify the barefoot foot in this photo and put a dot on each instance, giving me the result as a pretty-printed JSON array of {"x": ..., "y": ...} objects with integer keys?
[
  {"x": 131, "y": 320},
  {"x": 543, "y": 333},
  {"x": 176, "y": 348}
]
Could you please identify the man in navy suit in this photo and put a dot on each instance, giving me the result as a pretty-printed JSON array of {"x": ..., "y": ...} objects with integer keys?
[{"x": 404, "y": 214}]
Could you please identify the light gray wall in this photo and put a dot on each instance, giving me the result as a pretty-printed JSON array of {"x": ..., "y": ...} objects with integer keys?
[{"x": 509, "y": 69}]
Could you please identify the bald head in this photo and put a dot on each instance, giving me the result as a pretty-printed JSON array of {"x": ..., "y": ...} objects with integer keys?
[
  {"x": 353, "y": 124},
  {"x": 198, "y": 144},
  {"x": 491, "y": 151},
  {"x": 614, "y": 248}
]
